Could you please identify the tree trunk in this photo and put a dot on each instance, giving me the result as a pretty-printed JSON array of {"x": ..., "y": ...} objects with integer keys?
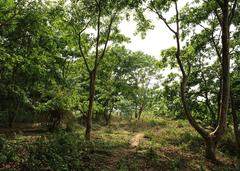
[
  {"x": 225, "y": 94},
  {"x": 210, "y": 150},
  {"x": 107, "y": 116},
  {"x": 108, "y": 119},
  {"x": 219, "y": 98},
  {"x": 92, "y": 85},
  {"x": 235, "y": 121},
  {"x": 140, "y": 112},
  {"x": 11, "y": 118},
  {"x": 136, "y": 114}
]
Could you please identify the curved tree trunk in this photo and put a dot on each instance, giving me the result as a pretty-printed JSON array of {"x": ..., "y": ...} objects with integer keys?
[
  {"x": 224, "y": 19},
  {"x": 211, "y": 139}
]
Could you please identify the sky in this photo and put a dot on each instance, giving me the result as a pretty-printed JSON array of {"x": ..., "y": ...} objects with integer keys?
[{"x": 158, "y": 39}]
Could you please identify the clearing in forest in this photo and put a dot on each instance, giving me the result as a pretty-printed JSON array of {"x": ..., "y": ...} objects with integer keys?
[{"x": 152, "y": 144}]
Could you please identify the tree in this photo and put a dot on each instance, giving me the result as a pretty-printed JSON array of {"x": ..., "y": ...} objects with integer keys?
[
  {"x": 34, "y": 64},
  {"x": 124, "y": 82},
  {"x": 102, "y": 17},
  {"x": 224, "y": 10}
]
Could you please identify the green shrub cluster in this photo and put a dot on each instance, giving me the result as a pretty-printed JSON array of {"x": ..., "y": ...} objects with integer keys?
[
  {"x": 64, "y": 151},
  {"x": 57, "y": 152},
  {"x": 9, "y": 151}
]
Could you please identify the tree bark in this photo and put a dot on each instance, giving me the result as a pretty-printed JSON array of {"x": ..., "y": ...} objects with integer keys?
[
  {"x": 210, "y": 150},
  {"x": 92, "y": 85},
  {"x": 140, "y": 111},
  {"x": 219, "y": 98},
  {"x": 12, "y": 113},
  {"x": 11, "y": 118},
  {"x": 235, "y": 121},
  {"x": 225, "y": 94}
]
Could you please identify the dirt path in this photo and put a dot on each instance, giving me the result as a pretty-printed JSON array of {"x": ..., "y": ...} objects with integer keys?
[
  {"x": 120, "y": 153},
  {"x": 136, "y": 139}
]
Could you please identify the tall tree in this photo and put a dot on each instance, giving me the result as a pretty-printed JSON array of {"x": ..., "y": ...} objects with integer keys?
[
  {"x": 225, "y": 11},
  {"x": 95, "y": 26}
]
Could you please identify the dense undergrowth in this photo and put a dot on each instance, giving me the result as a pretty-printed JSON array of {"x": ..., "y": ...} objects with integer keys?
[{"x": 167, "y": 145}]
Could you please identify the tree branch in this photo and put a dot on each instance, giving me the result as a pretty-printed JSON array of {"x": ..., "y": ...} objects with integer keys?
[
  {"x": 218, "y": 17},
  {"x": 162, "y": 18},
  {"x": 220, "y": 3},
  {"x": 108, "y": 37},
  {"x": 82, "y": 54},
  {"x": 232, "y": 13},
  {"x": 80, "y": 43},
  {"x": 98, "y": 34}
]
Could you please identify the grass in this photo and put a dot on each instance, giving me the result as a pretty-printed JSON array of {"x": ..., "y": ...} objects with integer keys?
[{"x": 167, "y": 145}]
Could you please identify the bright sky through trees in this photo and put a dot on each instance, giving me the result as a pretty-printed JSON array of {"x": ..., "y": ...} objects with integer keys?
[{"x": 156, "y": 40}]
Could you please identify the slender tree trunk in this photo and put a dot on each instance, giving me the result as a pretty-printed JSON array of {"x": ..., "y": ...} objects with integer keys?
[
  {"x": 10, "y": 119},
  {"x": 136, "y": 114},
  {"x": 235, "y": 121},
  {"x": 107, "y": 116},
  {"x": 12, "y": 113},
  {"x": 92, "y": 85},
  {"x": 140, "y": 111},
  {"x": 184, "y": 81},
  {"x": 219, "y": 97},
  {"x": 225, "y": 94}
]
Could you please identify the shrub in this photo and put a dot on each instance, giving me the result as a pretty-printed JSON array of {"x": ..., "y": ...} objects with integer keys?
[{"x": 59, "y": 152}]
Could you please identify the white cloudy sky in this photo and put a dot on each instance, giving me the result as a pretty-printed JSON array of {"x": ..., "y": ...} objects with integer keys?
[{"x": 156, "y": 40}]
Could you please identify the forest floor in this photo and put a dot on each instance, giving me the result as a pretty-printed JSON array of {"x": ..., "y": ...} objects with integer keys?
[{"x": 148, "y": 145}]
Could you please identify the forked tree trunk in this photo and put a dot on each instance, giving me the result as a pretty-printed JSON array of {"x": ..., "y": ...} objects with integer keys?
[
  {"x": 216, "y": 135},
  {"x": 92, "y": 86},
  {"x": 212, "y": 138}
]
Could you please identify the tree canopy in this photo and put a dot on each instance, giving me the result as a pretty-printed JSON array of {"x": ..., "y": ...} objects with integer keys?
[{"x": 65, "y": 63}]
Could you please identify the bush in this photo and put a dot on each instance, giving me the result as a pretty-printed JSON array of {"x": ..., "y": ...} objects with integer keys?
[
  {"x": 3, "y": 157},
  {"x": 9, "y": 151},
  {"x": 60, "y": 152}
]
